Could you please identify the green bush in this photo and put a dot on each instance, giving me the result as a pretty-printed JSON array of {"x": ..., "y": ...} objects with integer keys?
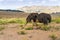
[
  {"x": 45, "y": 28},
  {"x": 1, "y": 33},
  {"x": 13, "y": 20},
  {"x": 29, "y": 28},
  {"x": 57, "y": 20},
  {"x": 21, "y": 32},
  {"x": 53, "y": 36},
  {"x": 57, "y": 28},
  {"x": 1, "y": 28},
  {"x": 3, "y": 21}
]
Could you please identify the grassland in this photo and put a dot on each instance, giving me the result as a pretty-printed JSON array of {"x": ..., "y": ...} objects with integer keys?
[
  {"x": 12, "y": 20},
  {"x": 12, "y": 28}
]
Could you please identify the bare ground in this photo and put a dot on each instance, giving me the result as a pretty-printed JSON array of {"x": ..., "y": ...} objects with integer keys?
[{"x": 10, "y": 33}]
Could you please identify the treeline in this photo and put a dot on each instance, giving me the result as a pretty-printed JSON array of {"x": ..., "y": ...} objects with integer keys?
[{"x": 11, "y": 10}]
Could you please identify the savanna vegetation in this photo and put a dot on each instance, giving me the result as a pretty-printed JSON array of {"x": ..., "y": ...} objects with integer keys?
[{"x": 19, "y": 28}]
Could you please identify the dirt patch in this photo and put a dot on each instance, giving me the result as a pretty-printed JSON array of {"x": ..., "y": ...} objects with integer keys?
[{"x": 10, "y": 33}]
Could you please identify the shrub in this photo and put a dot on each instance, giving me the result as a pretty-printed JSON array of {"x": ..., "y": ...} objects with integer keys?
[
  {"x": 53, "y": 36},
  {"x": 1, "y": 28},
  {"x": 29, "y": 28},
  {"x": 57, "y": 20},
  {"x": 16, "y": 20},
  {"x": 57, "y": 28},
  {"x": 21, "y": 32},
  {"x": 45, "y": 28},
  {"x": 12, "y": 20},
  {"x": 1, "y": 33},
  {"x": 3, "y": 21}
]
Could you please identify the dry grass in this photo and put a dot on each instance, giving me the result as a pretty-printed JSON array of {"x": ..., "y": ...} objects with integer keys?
[
  {"x": 23, "y": 32},
  {"x": 53, "y": 36},
  {"x": 12, "y": 20},
  {"x": 57, "y": 20}
]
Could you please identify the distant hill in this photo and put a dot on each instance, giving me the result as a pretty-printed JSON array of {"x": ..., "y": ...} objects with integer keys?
[{"x": 46, "y": 9}]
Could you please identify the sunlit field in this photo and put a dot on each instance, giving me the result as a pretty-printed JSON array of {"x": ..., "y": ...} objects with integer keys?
[
  {"x": 15, "y": 29},
  {"x": 12, "y": 20},
  {"x": 22, "y": 20}
]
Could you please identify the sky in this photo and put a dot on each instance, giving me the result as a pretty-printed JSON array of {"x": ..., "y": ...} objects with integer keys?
[{"x": 14, "y": 4}]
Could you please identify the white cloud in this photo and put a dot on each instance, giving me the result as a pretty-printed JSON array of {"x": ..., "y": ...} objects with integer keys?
[
  {"x": 20, "y": 0},
  {"x": 30, "y": 2},
  {"x": 53, "y": 0},
  {"x": 43, "y": 2},
  {"x": 15, "y": 0},
  {"x": 1, "y": 0},
  {"x": 10, "y": 0},
  {"x": 38, "y": 1}
]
